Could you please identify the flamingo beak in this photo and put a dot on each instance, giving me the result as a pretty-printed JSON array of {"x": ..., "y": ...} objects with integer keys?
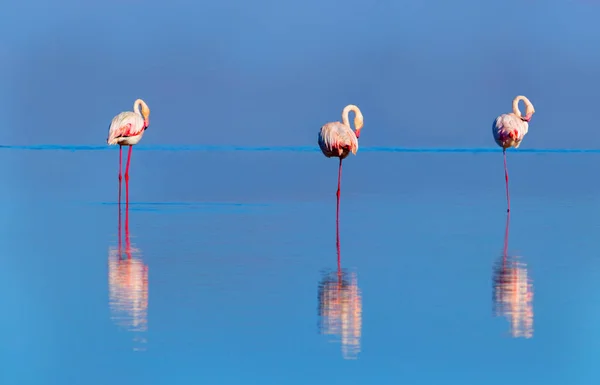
[{"x": 527, "y": 118}]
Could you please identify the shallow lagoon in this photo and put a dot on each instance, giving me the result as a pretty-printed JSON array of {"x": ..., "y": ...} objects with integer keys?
[{"x": 233, "y": 254}]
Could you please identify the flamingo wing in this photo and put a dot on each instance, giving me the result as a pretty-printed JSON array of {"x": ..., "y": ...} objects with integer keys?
[
  {"x": 509, "y": 126},
  {"x": 124, "y": 125},
  {"x": 334, "y": 136}
]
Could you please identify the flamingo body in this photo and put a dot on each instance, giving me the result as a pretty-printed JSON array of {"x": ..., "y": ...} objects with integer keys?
[
  {"x": 126, "y": 129},
  {"x": 509, "y": 130},
  {"x": 337, "y": 139}
]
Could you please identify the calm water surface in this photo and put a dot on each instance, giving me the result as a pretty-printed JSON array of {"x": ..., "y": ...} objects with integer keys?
[{"x": 226, "y": 270}]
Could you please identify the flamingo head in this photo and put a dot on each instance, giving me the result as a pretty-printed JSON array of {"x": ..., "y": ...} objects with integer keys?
[
  {"x": 146, "y": 115},
  {"x": 358, "y": 124},
  {"x": 145, "y": 111},
  {"x": 529, "y": 111},
  {"x": 528, "y": 114}
]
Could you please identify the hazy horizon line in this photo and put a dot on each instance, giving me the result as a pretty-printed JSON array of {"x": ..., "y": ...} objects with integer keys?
[{"x": 232, "y": 148}]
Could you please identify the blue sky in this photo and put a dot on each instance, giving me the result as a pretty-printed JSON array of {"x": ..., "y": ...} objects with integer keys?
[{"x": 425, "y": 73}]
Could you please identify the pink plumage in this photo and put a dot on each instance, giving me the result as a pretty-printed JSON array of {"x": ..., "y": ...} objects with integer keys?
[
  {"x": 509, "y": 130},
  {"x": 127, "y": 128},
  {"x": 337, "y": 140}
]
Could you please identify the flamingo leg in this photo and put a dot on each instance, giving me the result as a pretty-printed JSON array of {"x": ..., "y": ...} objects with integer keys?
[
  {"x": 337, "y": 213},
  {"x": 128, "y": 161},
  {"x": 506, "y": 179},
  {"x": 126, "y": 198},
  {"x": 120, "y": 161},
  {"x": 120, "y": 168},
  {"x": 337, "y": 216}
]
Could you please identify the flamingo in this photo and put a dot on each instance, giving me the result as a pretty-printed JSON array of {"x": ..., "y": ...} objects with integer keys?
[
  {"x": 338, "y": 140},
  {"x": 510, "y": 129},
  {"x": 127, "y": 129}
]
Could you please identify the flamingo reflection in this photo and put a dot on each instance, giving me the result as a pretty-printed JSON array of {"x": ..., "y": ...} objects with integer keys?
[
  {"x": 128, "y": 284},
  {"x": 513, "y": 292},
  {"x": 340, "y": 306}
]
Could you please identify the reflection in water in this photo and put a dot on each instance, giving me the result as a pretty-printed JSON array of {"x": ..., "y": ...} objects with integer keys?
[
  {"x": 513, "y": 292},
  {"x": 340, "y": 307},
  {"x": 128, "y": 285}
]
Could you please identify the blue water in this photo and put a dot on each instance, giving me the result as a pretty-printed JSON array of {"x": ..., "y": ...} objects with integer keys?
[{"x": 222, "y": 284}]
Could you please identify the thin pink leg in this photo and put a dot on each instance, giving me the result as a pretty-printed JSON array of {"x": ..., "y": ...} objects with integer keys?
[
  {"x": 337, "y": 227},
  {"x": 337, "y": 214},
  {"x": 126, "y": 197},
  {"x": 128, "y": 162},
  {"x": 120, "y": 168},
  {"x": 506, "y": 178},
  {"x": 120, "y": 161}
]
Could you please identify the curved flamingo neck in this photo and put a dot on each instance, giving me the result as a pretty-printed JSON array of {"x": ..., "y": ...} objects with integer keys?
[
  {"x": 137, "y": 106},
  {"x": 346, "y": 112},
  {"x": 528, "y": 106},
  {"x": 141, "y": 108}
]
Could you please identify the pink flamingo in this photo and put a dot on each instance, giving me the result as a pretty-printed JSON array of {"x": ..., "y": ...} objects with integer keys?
[
  {"x": 338, "y": 140},
  {"x": 510, "y": 129},
  {"x": 127, "y": 129}
]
